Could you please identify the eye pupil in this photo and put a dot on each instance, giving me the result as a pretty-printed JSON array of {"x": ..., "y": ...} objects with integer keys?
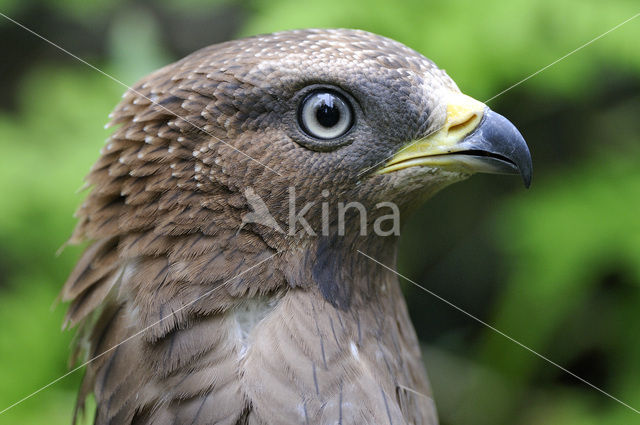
[
  {"x": 325, "y": 115},
  {"x": 328, "y": 114}
]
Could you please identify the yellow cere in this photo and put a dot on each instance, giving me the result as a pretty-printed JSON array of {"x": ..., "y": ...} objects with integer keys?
[{"x": 464, "y": 113}]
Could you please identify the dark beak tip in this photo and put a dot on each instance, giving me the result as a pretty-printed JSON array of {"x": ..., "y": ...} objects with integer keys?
[
  {"x": 499, "y": 136},
  {"x": 526, "y": 169}
]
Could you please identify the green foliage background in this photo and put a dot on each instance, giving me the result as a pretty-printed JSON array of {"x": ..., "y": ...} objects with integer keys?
[{"x": 556, "y": 267}]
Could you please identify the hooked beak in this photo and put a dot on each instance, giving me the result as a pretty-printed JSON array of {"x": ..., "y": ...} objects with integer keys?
[{"x": 473, "y": 139}]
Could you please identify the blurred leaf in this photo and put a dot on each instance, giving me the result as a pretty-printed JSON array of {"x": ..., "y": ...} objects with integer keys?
[
  {"x": 80, "y": 9},
  {"x": 558, "y": 240},
  {"x": 135, "y": 45},
  {"x": 46, "y": 150}
]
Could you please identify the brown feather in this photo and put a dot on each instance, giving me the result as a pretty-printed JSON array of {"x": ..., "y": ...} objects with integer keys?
[{"x": 194, "y": 316}]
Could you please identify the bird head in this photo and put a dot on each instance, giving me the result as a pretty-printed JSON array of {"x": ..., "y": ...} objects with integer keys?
[
  {"x": 197, "y": 287},
  {"x": 310, "y": 118},
  {"x": 335, "y": 115}
]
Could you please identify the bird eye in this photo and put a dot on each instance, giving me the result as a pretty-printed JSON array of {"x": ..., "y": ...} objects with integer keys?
[{"x": 325, "y": 115}]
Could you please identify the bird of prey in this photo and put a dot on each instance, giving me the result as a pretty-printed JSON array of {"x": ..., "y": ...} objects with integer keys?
[{"x": 194, "y": 314}]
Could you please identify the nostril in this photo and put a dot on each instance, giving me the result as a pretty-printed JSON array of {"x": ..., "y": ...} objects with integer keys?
[{"x": 463, "y": 125}]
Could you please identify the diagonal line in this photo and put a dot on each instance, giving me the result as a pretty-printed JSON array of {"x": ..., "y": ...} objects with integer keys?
[
  {"x": 511, "y": 87},
  {"x": 411, "y": 390},
  {"x": 563, "y": 57},
  {"x": 135, "y": 91},
  {"x": 209, "y": 292},
  {"x": 501, "y": 333}
]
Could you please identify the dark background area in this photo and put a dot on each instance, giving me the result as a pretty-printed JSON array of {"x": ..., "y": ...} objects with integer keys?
[{"x": 555, "y": 267}]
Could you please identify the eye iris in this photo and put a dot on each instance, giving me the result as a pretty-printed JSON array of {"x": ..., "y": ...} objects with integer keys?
[{"x": 327, "y": 113}]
